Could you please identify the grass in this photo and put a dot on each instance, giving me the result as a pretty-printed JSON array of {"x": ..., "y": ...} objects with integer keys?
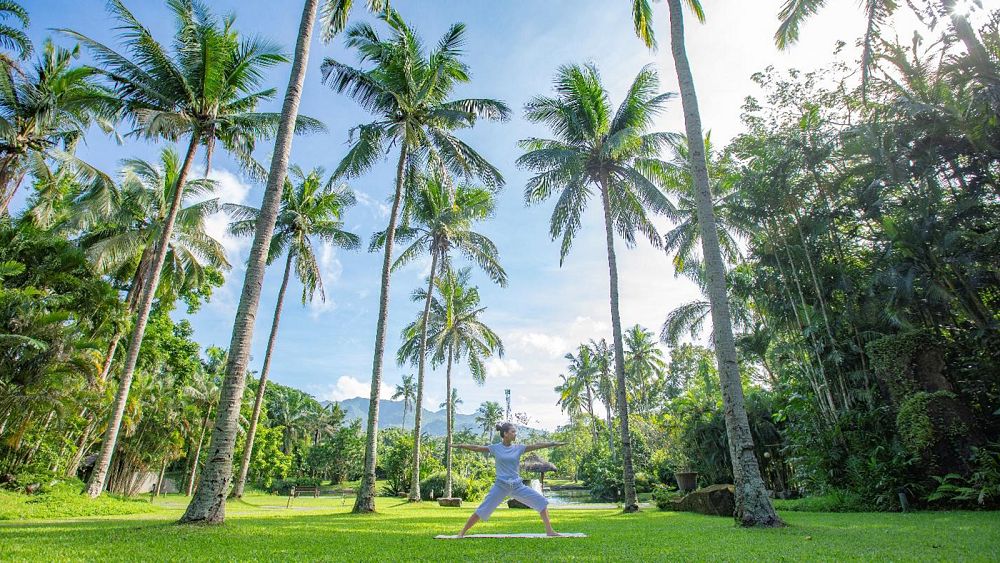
[
  {"x": 259, "y": 527},
  {"x": 64, "y": 500}
]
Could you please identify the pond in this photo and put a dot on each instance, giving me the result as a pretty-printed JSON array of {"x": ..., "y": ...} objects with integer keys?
[{"x": 571, "y": 496}]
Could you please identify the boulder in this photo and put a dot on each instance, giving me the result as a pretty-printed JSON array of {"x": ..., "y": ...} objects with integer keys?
[
  {"x": 716, "y": 500},
  {"x": 453, "y": 501},
  {"x": 514, "y": 503}
]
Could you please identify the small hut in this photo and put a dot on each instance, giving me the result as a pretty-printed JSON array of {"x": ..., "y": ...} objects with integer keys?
[{"x": 535, "y": 464}]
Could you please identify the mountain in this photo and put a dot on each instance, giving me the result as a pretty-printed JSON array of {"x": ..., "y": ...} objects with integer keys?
[{"x": 391, "y": 414}]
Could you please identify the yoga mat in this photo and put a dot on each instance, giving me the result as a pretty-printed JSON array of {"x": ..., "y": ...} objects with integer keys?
[{"x": 564, "y": 535}]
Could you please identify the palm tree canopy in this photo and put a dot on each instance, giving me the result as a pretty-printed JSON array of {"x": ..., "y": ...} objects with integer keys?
[
  {"x": 122, "y": 225},
  {"x": 598, "y": 146},
  {"x": 684, "y": 238},
  {"x": 310, "y": 208},
  {"x": 642, "y": 19},
  {"x": 408, "y": 90},
  {"x": 440, "y": 217},
  {"x": 11, "y": 37},
  {"x": 335, "y": 12},
  {"x": 455, "y": 326},
  {"x": 44, "y": 113},
  {"x": 207, "y": 87},
  {"x": 407, "y": 390}
]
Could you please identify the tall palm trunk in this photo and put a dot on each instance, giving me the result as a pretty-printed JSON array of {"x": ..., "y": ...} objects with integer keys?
[
  {"x": 366, "y": 491},
  {"x": 449, "y": 408},
  {"x": 630, "y": 501},
  {"x": 98, "y": 479},
  {"x": 421, "y": 367},
  {"x": 753, "y": 507},
  {"x": 590, "y": 409},
  {"x": 159, "y": 480},
  {"x": 197, "y": 453},
  {"x": 209, "y": 505},
  {"x": 131, "y": 302},
  {"x": 259, "y": 400}
]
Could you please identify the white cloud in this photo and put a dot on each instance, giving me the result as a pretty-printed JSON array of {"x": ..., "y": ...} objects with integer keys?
[
  {"x": 349, "y": 387},
  {"x": 496, "y": 367},
  {"x": 381, "y": 208},
  {"x": 554, "y": 346},
  {"x": 228, "y": 189}
]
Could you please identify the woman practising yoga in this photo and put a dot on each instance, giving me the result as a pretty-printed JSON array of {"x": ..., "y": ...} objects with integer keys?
[{"x": 508, "y": 483}]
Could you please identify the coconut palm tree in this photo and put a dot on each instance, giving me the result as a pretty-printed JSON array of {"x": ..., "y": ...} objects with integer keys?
[
  {"x": 310, "y": 209},
  {"x": 204, "y": 89},
  {"x": 605, "y": 388},
  {"x": 120, "y": 229},
  {"x": 291, "y": 411},
  {"x": 11, "y": 37},
  {"x": 408, "y": 90},
  {"x": 209, "y": 505},
  {"x": 43, "y": 115},
  {"x": 644, "y": 363},
  {"x": 611, "y": 152},
  {"x": 795, "y": 12},
  {"x": 576, "y": 393},
  {"x": 407, "y": 390},
  {"x": 440, "y": 217},
  {"x": 753, "y": 507},
  {"x": 456, "y": 332},
  {"x": 487, "y": 417},
  {"x": 203, "y": 393}
]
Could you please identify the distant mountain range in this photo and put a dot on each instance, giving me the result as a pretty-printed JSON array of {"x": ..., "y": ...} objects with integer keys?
[{"x": 390, "y": 413}]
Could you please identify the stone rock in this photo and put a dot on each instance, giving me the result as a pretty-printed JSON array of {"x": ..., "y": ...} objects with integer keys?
[
  {"x": 453, "y": 501},
  {"x": 402, "y": 494},
  {"x": 514, "y": 503},
  {"x": 716, "y": 500},
  {"x": 32, "y": 488}
]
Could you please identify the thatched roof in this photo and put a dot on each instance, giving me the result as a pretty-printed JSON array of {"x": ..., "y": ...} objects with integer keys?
[{"x": 535, "y": 464}]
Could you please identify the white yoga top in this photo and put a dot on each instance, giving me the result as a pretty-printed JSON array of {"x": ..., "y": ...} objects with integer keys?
[{"x": 508, "y": 461}]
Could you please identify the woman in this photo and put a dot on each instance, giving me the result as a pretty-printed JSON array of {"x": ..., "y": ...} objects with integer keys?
[{"x": 508, "y": 483}]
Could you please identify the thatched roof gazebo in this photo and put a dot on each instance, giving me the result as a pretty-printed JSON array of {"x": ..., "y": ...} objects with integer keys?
[{"x": 535, "y": 464}]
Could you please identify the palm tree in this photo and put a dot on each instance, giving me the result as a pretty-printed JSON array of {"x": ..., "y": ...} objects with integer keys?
[
  {"x": 614, "y": 153},
  {"x": 644, "y": 363},
  {"x": 487, "y": 417},
  {"x": 205, "y": 89},
  {"x": 407, "y": 390},
  {"x": 11, "y": 37},
  {"x": 203, "y": 392},
  {"x": 209, "y": 505},
  {"x": 440, "y": 217},
  {"x": 794, "y": 12},
  {"x": 753, "y": 507},
  {"x": 576, "y": 393},
  {"x": 43, "y": 115},
  {"x": 408, "y": 90},
  {"x": 605, "y": 389},
  {"x": 309, "y": 208},
  {"x": 291, "y": 411},
  {"x": 456, "y": 332},
  {"x": 120, "y": 228},
  {"x": 450, "y": 407}
]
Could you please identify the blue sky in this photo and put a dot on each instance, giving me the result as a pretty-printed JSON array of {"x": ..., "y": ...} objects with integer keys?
[{"x": 513, "y": 49}]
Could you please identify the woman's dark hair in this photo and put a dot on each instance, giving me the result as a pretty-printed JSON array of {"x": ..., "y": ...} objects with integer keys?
[{"x": 504, "y": 427}]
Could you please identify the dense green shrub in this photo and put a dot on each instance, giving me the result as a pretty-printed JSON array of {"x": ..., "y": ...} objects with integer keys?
[{"x": 466, "y": 489}]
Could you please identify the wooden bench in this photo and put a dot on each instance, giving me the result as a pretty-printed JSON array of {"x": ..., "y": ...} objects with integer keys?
[
  {"x": 315, "y": 492},
  {"x": 301, "y": 491}
]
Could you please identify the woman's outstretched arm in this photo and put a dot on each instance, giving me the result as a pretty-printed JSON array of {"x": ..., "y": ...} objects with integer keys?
[
  {"x": 472, "y": 447},
  {"x": 542, "y": 446}
]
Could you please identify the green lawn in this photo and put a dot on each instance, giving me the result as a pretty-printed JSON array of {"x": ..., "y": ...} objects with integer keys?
[{"x": 323, "y": 529}]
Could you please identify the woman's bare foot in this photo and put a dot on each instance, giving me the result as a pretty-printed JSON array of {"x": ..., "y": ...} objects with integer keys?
[{"x": 553, "y": 534}]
